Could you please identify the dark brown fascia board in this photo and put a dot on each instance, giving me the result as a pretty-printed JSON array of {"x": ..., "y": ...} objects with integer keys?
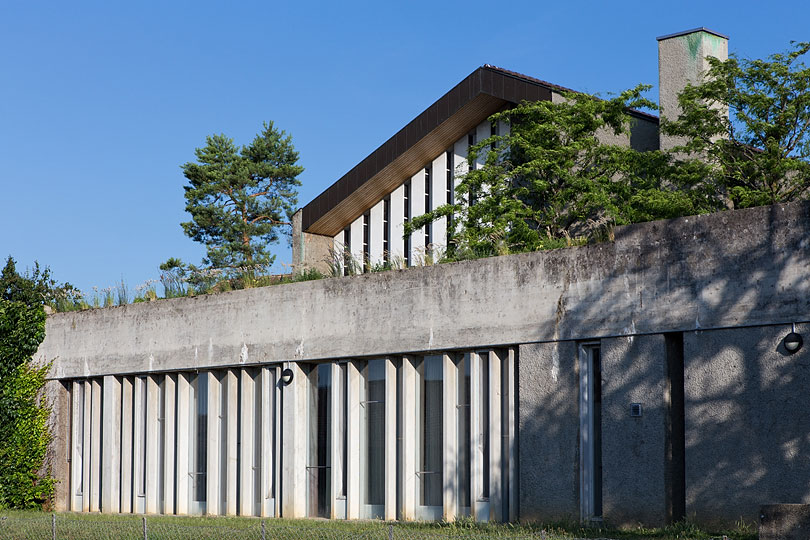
[{"x": 485, "y": 91}]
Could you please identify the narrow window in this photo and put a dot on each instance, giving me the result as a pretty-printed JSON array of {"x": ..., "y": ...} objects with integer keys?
[
  {"x": 590, "y": 432},
  {"x": 372, "y": 403},
  {"x": 142, "y": 449},
  {"x": 78, "y": 435},
  {"x": 366, "y": 253},
  {"x": 347, "y": 250},
  {"x": 431, "y": 431},
  {"x": 483, "y": 436},
  {"x": 463, "y": 422},
  {"x": 470, "y": 143},
  {"x": 493, "y": 132},
  {"x": 406, "y": 188},
  {"x": 386, "y": 229},
  {"x": 320, "y": 442},
  {"x": 428, "y": 208}
]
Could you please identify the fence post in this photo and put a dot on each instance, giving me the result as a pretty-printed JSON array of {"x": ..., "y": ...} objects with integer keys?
[
  {"x": 390, "y": 531},
  {"x": 263, "y": 531},
  {"x": 145, "y": 537},
  {"x": 53, "y": 526}
]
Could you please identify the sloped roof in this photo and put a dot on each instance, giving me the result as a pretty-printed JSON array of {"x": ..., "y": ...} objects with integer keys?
[{"x": 485, "y": 91}]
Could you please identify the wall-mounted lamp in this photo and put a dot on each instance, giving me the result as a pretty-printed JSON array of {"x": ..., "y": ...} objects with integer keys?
[
  {"x": 793, "y": 341},
  {"x": 286, "y": 376}
]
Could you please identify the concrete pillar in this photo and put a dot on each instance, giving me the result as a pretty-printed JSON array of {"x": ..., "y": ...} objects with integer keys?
[
  {"x": 356, "y": 232},
  {"x": 511, "y": 431},
  {"x": 294, "y": 445},
  {"x": 87, "y": 450},
  {"x": 95, "y": 449},
  {"x": 681, "y": 61},
  {"x": 417, "y": 209},
  {"x": 77, "y": 440},
  {"x": 353, "y": 427},
  {"x": 438, "y": 190},
  {"x": 476, "y": 444},
  {"x": 450, "y": 435},
  {"x": 246, "y": 444},
  {"x": 212, "y": 462},
  {"x": 232, "y": 442},
  {"x": 184, "y": 419},
  {"x": 127, "y": 446},
  {"x": 111, "y": 459},
  {"x": 268, "y": 423},
  {"x": 339, "y": 395},
  {"x": 390, "y": 440},
  {"x": 169, "y": 442},
  {"x": 409, "y": 450},
  {"x": 396, "y": 243},
  {"x": 376, "y": 233},
  {"x": 495, "y": 433},
  {"x": 152, "y": 440}
]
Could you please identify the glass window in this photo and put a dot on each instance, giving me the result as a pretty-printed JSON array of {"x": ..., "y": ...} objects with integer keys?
[
  {"x": 463, "y": 422},
  {"x": 198, "y": 449},
  {"x": 372, "y": 403},
  {"x": 431, "y": 430},
  {"x": 483, "y": 438},
  {"x": 319, "y": 454}
]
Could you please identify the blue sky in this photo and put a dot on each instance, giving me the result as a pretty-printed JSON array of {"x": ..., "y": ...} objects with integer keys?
[{"x": 101, "y": 102}]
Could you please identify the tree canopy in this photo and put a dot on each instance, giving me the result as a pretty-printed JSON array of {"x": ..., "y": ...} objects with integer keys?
[
  {"x": 746, "y": 127},
  {"x": 239, "y": 197}
]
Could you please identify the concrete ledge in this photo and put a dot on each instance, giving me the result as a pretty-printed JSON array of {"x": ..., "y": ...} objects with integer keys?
[{"x": 784, "y": 522}]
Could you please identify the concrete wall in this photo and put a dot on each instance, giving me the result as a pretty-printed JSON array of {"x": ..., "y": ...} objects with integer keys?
[
  {"x": 747, "y": 422},
  {"x": 633, "y": 448},
  {"x": 746, "y": 267},
  {"x": 548, "y": 427}
]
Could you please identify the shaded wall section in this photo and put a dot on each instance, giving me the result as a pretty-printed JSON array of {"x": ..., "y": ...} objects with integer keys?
[
  {"x": 747, "y": 422},
  {"x": 548, "y": 424}
]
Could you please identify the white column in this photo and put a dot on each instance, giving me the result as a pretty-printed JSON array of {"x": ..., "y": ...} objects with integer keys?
[
  {"x": 337, "y": 502},
  {"x": 183, "y": 495},
  {"x": 356, "y": 232},
  {"x": 294, "y": 450},
  {"x": 152, "y": 434},
  {"x": 95, "y": 449},
  {"x": 127, "y": 445},
  {"x": 376, "y": 233},
  {"x": 268, "y": 450},
  {"x": 417, "y": 209},
  {"x": 246, "y": 445},
  {"x": 169, "y": 442},
  {"x": 450, "y": 436},
  {"x": 495, "y": 460},
  {"x": 511, "y": 382},
  {"x": 438, "y": 190},
  {"x": 396, "y": 243},
  {"x": 212, "y": 458},
  {"x": 390, "y": 440},
  {"x": 476, "y": 444},
  {"x": 111, "y": 459},
  {"x": 138, "y": 432},
  {"x": 77, "y": 440},
  {"x": 232, "y": 457},
  {"x": 353, "y": 427},
  {"x": 409, "y": 450}
]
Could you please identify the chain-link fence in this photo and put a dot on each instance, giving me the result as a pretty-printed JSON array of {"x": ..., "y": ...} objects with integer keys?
[{"x": 41, "y": 526}]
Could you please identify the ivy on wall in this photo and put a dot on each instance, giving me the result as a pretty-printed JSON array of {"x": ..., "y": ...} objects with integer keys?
[{"x": 24, "y": 434}]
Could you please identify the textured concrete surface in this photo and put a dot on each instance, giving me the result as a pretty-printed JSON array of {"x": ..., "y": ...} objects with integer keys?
[
  {"x": 784, "y": 522},
  {"x": 633, "y": 448},
  {"x": 744, "y": 267},
  {"x": 747, "y": 422},
  {"x": 548, "y": 423}
]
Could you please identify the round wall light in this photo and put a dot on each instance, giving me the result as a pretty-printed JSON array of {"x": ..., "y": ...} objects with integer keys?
[
  {"x": 286, "y": 376},
  {"x": 793, "y": 342}
]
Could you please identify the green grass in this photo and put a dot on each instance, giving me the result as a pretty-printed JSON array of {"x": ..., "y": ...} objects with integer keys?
[{"x": 70, "y": 526}]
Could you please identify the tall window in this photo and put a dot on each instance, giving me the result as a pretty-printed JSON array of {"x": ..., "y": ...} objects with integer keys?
[
  {"x": 431, "y": 427},
  {"x": 386, "y": 229},
  {"x": 483, "y": 435},
  {"x": 319, "y": 467},
  {"x": 366, "y": 242},
  {"x": 590, "y": 405},
  {"x": 198, "y": 446},
  {"x": 470, "y": 142},
  {"x": 78, "y": 436},
  {"x": 493, "y": 132},
  {"x": 347, "y": 251},
  {"x": 372, "y": 403},
  {"x": 142, "y": 440},
  {"x": 406, "y": 195},
  {"x": 463, "y": 422},
  {"x": 428, "y": 208}
]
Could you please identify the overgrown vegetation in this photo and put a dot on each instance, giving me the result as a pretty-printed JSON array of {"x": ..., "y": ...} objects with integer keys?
[{"x": 24, "y": 435}]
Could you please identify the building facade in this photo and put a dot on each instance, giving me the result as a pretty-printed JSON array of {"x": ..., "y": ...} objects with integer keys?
[{"x": 635, "y": 381}]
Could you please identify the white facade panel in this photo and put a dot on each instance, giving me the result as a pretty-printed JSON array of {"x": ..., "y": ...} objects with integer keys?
[
  {"x": 439, "y": 197},
  {"x": 357, "y": 243},
  {"x": 111, "y": 462},
  {"x": 397, "y": 244},
  {"x": 376, "y": 234},
  {"x": 417, "y": 209}
]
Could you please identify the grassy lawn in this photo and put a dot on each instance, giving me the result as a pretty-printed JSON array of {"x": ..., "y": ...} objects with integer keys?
[{"x": 70, "y": 526}]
